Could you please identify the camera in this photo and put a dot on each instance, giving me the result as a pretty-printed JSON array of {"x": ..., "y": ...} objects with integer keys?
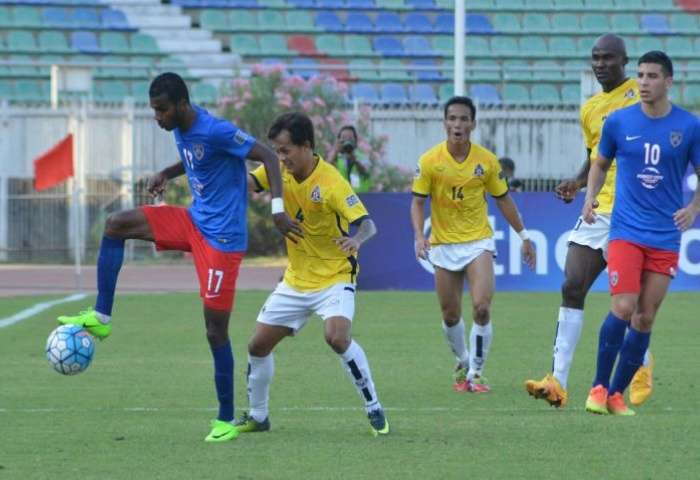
[{"x": 347, "y": 146}]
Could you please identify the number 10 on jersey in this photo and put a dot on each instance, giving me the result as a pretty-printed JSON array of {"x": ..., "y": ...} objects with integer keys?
[{"x": 652, "y": 153}]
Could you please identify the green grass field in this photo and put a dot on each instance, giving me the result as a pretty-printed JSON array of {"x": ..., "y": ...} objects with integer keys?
[{"x": 142, "y": 409}]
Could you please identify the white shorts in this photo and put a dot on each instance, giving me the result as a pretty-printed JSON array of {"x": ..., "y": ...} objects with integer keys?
[
  {"x": 286, "y": 307},
  {"x": 593, "y": 235},
  {"x": 456, "y": 256}
]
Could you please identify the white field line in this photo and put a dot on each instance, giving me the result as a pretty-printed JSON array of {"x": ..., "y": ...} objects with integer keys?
[{"x": 38, "y": 308}]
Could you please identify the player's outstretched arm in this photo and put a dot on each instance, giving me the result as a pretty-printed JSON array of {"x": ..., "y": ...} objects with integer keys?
[
  {"x": 685, "y": 217},
  {"x": 365, "y": 231},
  {"x": 157, "y": 182},
  {"x": 510, "y": 212},
  {"x": 420, "y": 244},
  {"x": 596, "y": 179}
]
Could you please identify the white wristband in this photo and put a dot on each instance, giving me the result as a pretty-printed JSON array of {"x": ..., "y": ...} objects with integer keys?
[
  {"x": 277, "y": 205},
  {"x": 524, "y": 235}
]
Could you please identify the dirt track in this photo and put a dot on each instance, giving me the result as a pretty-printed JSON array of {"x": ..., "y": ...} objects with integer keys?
[{"x": 50, "y": 279}]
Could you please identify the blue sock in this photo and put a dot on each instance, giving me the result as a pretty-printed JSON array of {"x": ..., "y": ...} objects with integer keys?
[
  {"x": 223, "y": 378},
  {"x": 631, "y": 358},
  {"x": 612, "y": 333},
  {"x": 109, "y": 263}
]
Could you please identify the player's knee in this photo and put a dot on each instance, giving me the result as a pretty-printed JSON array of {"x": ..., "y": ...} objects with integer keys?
[
  {"x": 115, "y": 224},
  {"x": 450, "y": 315},
  {"x": 624, "y": 308},
  {"x": 481, "y": 312},
  {"x": 573, "y": 293},
  {"x": 217, "y": 337},
  {"x": 338, "y": 341},
  {"x": 643, "y": 321},
  {"x": 258, "y": 348}
]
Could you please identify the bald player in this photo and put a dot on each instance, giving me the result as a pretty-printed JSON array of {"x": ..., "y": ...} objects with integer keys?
[{"x": 587, "y": 253}]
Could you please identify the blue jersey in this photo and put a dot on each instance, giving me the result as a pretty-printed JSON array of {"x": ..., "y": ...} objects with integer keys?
[
  {"x": 652, "y": 156},
  {"x": 213, "y": 152}
]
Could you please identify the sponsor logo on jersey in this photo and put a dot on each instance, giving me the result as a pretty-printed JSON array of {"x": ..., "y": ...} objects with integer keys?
[
  {"x": 240, "y": 137},
  {"x": 676, "y": 138},
  {"x": 198, "y": 150},
  {"x": 316, "y": 194},
  {"x": 352, "y": 200},
  {"x": 629, "y": 93},
  {"x": 650, "y": 178},
  {"x": 479, "y": 170}
]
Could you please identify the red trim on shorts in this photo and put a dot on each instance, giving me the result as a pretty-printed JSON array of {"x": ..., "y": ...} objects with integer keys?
[{"x": 628, "y": 260}]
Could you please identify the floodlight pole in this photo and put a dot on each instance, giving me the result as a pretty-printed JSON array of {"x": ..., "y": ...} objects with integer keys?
[{"x": 460, "y": 16}]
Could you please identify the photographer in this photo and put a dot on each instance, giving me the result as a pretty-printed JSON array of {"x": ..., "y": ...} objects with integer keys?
[{"x": 349, "y": 161}]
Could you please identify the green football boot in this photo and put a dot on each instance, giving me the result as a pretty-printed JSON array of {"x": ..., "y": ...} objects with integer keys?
[
  {"x": 89, "y": 320},
  {"x": 221, "y": 431},
  {"x": 378, "y": 423},
  {"x": 248, "y": 424}
]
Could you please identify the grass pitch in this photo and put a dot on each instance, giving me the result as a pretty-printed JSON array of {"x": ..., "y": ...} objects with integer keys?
[{"x": 143, "y": 407}]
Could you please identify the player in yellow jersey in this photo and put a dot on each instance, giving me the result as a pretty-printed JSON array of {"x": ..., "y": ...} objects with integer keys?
[
  {"x": 322, "y": 270},
  {"x": 586, "y": 256},
  {"x": 456, "y": 175}
]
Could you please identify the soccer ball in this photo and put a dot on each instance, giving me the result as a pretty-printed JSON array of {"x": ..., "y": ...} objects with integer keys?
[{"x": 69, "y": 349}]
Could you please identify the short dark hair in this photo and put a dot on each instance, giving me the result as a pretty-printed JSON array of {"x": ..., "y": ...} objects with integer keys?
[
  {"x": 297, "y": 124},
  {"x": 348, "y": 127},
  {"x": 660, "y": 58},
  {"x": 507, "y": 162},
  {"x": 466, "y": 101},
  {"x": 172, "y": 85}
]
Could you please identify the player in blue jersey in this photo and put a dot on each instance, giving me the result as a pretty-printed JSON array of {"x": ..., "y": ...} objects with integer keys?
[
  {"x": 652, "y": 142},
  {"x": 213, "y": 153}
]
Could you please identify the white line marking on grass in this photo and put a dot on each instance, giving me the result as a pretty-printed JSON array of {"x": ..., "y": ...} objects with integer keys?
[{"x": 38, "y": 308}]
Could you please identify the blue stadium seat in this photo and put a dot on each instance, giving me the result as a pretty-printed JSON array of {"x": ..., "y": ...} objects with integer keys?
[
  {"x": 242, "y": 3},
  {"x": 361, "y": 4},
  {"x": 445, "y": 23},
  {"x": 387, "y": 46},
  {"x": 417, "y": 46},
  {"x": 394, "y": 93},
  {"x": 56, "y": 17},
  {"x": 329, "y": 22},
  {"x": 86, "y": 18},
  {"x": 330, "y": 4},
  {"x": 656, "y": 24},
  {"x": 85, "y": 42},
  {"x": 423, "y": 94},
  {"x": 358, "y": 23},
  {"x": 301, "y": 3},
  {"x": 388, "y": 22},
  {"x": 421, "y": 4},
  {"x": 479, "y": 24},
  {"x": 305, "y": 67},
  {"x": 417, "y": 23},
  {"x": 485, "y": 93},
  {"x": 114, "y": 20},
  {"x": 426, "y": 75},
  {"x": 364, "y": 92}
]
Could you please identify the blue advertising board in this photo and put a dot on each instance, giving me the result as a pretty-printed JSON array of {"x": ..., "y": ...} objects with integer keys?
[{"x": 388, "y": 261}]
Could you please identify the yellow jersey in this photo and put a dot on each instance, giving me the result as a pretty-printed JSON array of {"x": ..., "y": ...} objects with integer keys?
[
  {"x": 324, "y": 204},
  {"x": 457, "y": 192},
  {"x": 594, "y": 111}
]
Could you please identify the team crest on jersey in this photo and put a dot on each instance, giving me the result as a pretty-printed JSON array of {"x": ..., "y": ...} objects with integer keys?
[
  {"x": 629, "y": 93},
  {"x": 198, "y": 150},
  {"x": 676, "y": 138},
  {"x": 614, "y": 278},
  {"x": 240, "y": 137},
  {"x": 352, "y": 200},
  {"x": 316, "y": 194},
  {"x": 502, "y": 175},
  {"x": 479, "y": 170}
]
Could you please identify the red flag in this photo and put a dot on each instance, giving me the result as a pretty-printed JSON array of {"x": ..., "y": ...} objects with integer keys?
[{"x": 54, "y": 166}]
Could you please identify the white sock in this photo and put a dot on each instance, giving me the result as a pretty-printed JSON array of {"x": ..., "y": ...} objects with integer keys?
[
  {"x": 568, "y": 333},
  {"x": 355, "y": 363},
  {"x": 456, "y": 341},
  {"x": 647, "y": 358},
  {"x": 479, "y": 344},
  {"x": 103, "y": 318},
  {"x": 260, "y": 372}
]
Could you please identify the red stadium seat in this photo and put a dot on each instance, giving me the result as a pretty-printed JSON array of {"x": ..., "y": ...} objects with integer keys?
[{"x": 303, "y": 44}]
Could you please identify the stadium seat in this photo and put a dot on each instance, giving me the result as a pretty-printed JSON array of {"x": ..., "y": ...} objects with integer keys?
[
  {"x": 479, "y": 46},
  {"x": 563, "y": 47},
  {"x": 301, "y": 3},
  {"x": 444, "y": 46},
  {"x": 422, "y": 94},
  {"x": 21, "y": 41},
  {"x": 517, "y": 5},
  {"x": 539, "y": 4},
  {"x": 598, "y": 5},
  {"x": 506, "y": 23},
  {"x": 655, "y": 24},
  {"x": 516, "y": 70},
  {"x": 573, "y": 68},
  {"x": 204, "y": 93},
  {"x": 391, "y": 4},
  {"x": 417, "y": 23},
  {"x": 240, "y": 20},
  {"x": 398, "y": 72},
  {"x": 417, "y": 46},
  {"x": 329, "y": 22},
  {"x": 484, "y": 71},
  {"x": 624, "y": 23},
  {"x": 536, "y": 23},
  {"x": 300, "y": 21},
  {"x": 111, "y": 91},
  {"x": 335, "y": 68},
  {"x": 26, "y": 17},
  {"x": 330, "y": 44},
  {"x": 358, "y": 23},
  {"x": 30, "y": 91},
  {"x": 56, "y": 17},
  {"x": 361, "y": 4},
  {"x": 533, "y": 46},
  {"x": 53, "y": 41},
  {"x": 114, "y": 20},
  {"x": 142, "y": 68},
  {"x": 330, "y": 4},
  {"x": 19, "y": 70},
  {"x": 503, "y": 46},
  {"x": 596, "y": 23},
  {"x": 6, "y": 21},
  {"x": 215, "y": 21},
  {"x": 629, "y": 5},
  {"x": 570, "y": 5},
  {"x": 86, "y": 18},
  {"x": 691, "y": 94},
  {"x": 358, "y": 46},
  {"x": 485, "y": 94},
  {"x": 85, "y": 42},
  {"x": 363, "y": 69},
  {"x": 547, "y": 70},
  {"x": 108, "y": 71},
  {"x": 683, "y": 23},
  {"x": 114, "y": 42},
  {"x": 478, "y": 25},
  {"x": 144, "y": 44},
  {"x": 244, "y": 44},
  {"x": 445, "y": 92},
  {"x": 571, "y": 94},
  {"x": 565, "y": 22},
  {"x": 45, "y": 70},
  {"x": 305, "y": 67},
  {"x": 584, "y": 45},
  {"x": 677, "y": 46},
  {"x": 393, "y": 94},
  {"x": 388, "y": 22},
  {"x": 274, "y": 44},
  {"x": 427, "y": 75},
  {"x": 139, "y": 91},
  {"x": 388, "y": 46},
  {"x": 445, "y": 23},
  {"x": 271, "y": 20},
  {"x": 515, "y": 94},
  {"x": 645, "y": 44},
  {"x": 364, "y": 92},
  {"x": 302, "y": 44},
  {"x": 421, "y": 4},
  {"x": 545, "y": 94}
]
